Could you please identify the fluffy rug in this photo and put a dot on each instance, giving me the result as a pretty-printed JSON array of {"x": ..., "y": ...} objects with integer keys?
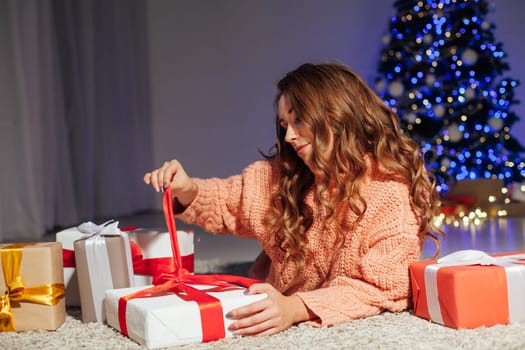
[{"x": 385, "y": 331}]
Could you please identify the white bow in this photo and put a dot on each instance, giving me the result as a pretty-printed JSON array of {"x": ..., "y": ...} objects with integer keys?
[{"x": 109, "y": 228}]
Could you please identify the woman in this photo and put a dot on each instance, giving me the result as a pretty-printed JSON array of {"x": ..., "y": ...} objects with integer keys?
[{"x": 340, "y": 207}]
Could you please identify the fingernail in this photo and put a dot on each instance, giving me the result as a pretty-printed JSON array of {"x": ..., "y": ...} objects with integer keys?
[{"x": 228, "y": 315}]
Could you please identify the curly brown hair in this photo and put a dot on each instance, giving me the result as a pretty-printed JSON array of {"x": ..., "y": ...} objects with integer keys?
[{"x": 332, "y": 100}]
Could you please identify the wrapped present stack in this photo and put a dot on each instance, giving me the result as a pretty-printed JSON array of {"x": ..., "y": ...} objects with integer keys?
[
  {"x": 180, "y": 307},
  {"x": 101, "y": 257},
  {"x": 31, "y": 287},
  {"x": 488, "y": 196},
  {"x": 470, "y": 289}
]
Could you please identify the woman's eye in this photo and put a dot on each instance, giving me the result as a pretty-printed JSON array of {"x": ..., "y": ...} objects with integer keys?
[{"x": 297, "y": 120}]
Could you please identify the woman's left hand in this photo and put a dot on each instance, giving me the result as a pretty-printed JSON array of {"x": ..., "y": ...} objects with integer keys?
[{"x": 271, "y": 315}]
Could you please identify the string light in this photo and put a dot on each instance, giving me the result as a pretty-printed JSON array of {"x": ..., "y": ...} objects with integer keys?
[{"x": 440, "y": 72}]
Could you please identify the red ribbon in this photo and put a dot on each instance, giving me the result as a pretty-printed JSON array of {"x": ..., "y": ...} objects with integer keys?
[
  {"x": 68, "y": 258},
  {"x": 156, "y": 266},
  {"x": 128, "y": 228},
  {"x": 176, "y": 282}
]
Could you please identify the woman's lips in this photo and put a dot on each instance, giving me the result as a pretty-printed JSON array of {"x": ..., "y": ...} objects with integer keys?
[{"x": 299, "y": 149}]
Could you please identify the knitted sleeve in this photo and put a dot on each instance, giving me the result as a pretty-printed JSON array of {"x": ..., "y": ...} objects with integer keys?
[
  {"x": 373, "y": 276},
  {"x": 234, "y": 205}
]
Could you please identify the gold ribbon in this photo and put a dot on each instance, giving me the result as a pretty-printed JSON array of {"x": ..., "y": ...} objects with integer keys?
[{"x": 46, "y": 294}]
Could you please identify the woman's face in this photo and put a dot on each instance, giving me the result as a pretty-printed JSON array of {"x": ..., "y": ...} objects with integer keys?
[{"x": 298, "y": 134}]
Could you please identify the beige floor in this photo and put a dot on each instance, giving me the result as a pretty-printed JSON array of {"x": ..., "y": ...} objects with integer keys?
[{"x": 491, "y": 235}]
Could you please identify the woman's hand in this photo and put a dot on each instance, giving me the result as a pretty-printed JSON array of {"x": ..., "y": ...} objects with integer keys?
[
  {"x": 172, "y": 174},
  {"x": 268, "y": 316}
]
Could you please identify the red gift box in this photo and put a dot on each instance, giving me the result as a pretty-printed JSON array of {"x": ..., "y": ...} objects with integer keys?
[{"x": 470, "y": 289}]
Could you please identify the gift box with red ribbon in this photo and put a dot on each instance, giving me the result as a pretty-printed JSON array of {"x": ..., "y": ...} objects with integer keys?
[
  {"x": 181, "y": 307},
  {"x": 31, "y": 287},
  {"x": 152, "y": 255},
  {"x": 470, "y": 289},
  {"x": 150, "y": 251},
  {"x": 176, "y": 313},
  {"x": 86, "y": 230}
]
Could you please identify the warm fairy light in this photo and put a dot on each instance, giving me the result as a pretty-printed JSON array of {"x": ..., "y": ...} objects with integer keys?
[
  {"x": 473, "y": 217},
  {"x": 492, "y": 199},
  {"x": 438, "y": 220},
  {"x": 502, "y": 212}
]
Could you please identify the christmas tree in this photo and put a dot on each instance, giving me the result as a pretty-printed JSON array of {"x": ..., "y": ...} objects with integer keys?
[{"x": 441, "y": 72}]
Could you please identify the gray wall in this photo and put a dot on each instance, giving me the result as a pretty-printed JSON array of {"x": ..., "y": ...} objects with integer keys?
[{"x": 214, "y": 65}]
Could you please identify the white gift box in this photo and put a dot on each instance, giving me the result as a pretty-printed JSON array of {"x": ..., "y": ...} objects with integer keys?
[
  {"x": 155, "y": 244},
  {"x": 168, "y": 320},
  {"x": 67, "y": 237}
]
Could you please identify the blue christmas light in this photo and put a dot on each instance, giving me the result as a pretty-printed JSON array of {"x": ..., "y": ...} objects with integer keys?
[{"x": 450, "y": 80}]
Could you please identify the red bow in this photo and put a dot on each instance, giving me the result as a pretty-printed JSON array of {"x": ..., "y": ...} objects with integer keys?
[{"x": 156, "y": 266}]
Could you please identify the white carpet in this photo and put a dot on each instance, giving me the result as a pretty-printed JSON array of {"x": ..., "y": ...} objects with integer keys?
[{"x": 385, "y": 331}]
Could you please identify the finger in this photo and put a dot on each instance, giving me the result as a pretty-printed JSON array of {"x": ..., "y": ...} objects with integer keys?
[
  {"x": 152, "y": 179},
  {"x": 259, "y": 288},
  {"x": 158, "y": 176},
  {"x": 165, "y": 175},
  {"x": 256, "y": 323},
  {"x": 269, "y": 331},
  {"x": 263, "y": 328},
  {"x": 248, "y": 310}
]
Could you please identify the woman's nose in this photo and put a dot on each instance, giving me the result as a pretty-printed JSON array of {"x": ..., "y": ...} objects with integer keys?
[{"x": 290, "y": 134}]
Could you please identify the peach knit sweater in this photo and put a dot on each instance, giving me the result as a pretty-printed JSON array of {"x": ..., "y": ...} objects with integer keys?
[{"x": 367, "y": 275}]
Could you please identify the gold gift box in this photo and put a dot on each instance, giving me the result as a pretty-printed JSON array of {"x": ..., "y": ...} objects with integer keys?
[{"x": 31, "y": 287}]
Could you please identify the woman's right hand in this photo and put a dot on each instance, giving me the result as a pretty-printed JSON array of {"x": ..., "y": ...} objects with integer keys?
[{"x": 172, "y": 174}]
